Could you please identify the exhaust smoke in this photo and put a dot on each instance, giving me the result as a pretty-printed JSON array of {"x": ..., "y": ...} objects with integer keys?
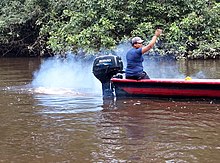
[{"x": 65, "y": 75}]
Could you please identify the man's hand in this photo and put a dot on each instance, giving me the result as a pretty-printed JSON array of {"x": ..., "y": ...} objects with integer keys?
[{"x": 158, "y": 32}]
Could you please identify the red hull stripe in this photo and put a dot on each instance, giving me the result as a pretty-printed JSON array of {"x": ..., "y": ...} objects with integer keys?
[
  {"x": 170, "y": 81},
  {"x": 171, "y": 92}
]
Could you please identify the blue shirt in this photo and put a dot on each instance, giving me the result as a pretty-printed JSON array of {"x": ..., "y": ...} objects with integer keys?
[{"x": 134, "y": 62}]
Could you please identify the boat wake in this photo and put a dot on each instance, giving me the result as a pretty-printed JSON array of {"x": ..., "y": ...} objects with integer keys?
[{"x": 57, "y": 91}]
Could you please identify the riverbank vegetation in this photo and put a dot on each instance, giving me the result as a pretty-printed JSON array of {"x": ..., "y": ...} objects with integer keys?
[{"x": 45, "y": 27}]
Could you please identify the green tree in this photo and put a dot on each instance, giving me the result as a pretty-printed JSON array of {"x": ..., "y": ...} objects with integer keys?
[
  {"x": 18, "y": 29},
  {"x": 191, "y": 27}
]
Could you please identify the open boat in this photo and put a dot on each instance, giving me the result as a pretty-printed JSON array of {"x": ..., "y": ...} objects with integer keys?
[
  {"x": 167, "y": 87},
  {"x": 108, "y": 68}
]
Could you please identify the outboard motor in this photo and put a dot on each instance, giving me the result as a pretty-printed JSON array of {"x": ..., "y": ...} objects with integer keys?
[{"x": 104, "y": 68}]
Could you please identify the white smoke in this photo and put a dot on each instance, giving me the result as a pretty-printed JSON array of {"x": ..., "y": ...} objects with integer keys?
[
  {"x": 72, "y": 73},
  {"x": 66, "y": 73}
]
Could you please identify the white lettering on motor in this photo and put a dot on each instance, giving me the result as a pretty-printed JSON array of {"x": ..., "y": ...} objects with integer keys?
[{"x": 105, "y": 60}]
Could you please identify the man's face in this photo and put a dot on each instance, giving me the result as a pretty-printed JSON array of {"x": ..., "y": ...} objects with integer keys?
[{"x": 138, "y": 45}]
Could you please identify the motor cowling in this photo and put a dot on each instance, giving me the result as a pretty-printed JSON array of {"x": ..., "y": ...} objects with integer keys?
[{"x": 104, "y": 68}]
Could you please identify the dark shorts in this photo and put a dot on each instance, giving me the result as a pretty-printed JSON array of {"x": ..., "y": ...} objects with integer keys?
[{"x": 142, "y": 75}]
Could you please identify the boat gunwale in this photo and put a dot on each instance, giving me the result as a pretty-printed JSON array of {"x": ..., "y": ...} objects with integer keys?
[{"x": 168, "y": 81}]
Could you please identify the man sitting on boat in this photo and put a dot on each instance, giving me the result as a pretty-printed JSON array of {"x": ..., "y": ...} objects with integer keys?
[{"x": 134, "y": 69}]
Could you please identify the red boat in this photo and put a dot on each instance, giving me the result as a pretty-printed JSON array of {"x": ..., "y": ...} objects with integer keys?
[
  {"x": 209, "y": 88},
  {"x": 108, "y": 68}
]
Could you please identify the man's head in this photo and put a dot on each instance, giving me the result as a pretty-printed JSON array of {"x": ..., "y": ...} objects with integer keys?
[{"x": 137, "y": 42}]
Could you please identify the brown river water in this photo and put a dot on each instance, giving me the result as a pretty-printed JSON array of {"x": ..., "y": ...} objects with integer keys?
[{"x": 44, "y": 121}]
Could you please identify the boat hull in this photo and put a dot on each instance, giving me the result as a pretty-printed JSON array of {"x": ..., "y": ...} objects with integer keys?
[{"x": 208, "y": 88}]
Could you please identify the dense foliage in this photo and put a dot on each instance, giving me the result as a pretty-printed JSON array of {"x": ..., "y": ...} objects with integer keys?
[{"x": 42, "y": 27}]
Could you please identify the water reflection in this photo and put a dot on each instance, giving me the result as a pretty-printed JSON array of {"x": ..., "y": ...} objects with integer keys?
[
  {"x": 57, "y": 100},
  {"x": 57, "y": 104},
  {"x": 71, "y": 127},
  {"x": 145, "y": 130},
  {"x": 200, "y": 68}
]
